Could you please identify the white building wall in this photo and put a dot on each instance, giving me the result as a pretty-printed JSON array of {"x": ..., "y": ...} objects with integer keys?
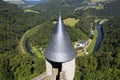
[
  {"x": 69, "y": 69},
  {"x": 49, "y": 70}
]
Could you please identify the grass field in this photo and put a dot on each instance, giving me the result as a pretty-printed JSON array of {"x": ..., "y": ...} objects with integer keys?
[
  {"x": 29, "y": 10},
  {"x": 37, "y": 52},
  {"x": 99, "y": 0},
  {"x": 69, "y": 21},
  {"x": 91, "y": 46}
]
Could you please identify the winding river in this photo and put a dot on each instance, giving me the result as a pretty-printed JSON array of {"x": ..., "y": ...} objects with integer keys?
[
  {"x": 28, "y": 47},
  {"x": 99, "y": 38},
  {"x": 96, "y": 47}
]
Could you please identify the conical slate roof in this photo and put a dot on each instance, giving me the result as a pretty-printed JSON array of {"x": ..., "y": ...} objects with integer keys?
[{"x": 60, "y": 48}]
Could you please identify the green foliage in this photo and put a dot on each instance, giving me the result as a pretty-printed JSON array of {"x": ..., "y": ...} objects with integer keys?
[
  {"x": 5, "y": 69},
  {"x": 25, "y": 67},
  {"x": 20, "y": 67},
  {"x": 53, "y": 7},
  {"x": 84, "y": 24},
  {"x": 76, "y": 34},
  {"x": 93, "y": 42},
  {"x": 99, "y": 0},
  {"x": 86, "y": 68},
  {"x": 69, "y": 21},
  {"x": 13, "y": 23},
  {"x": 104, "y": 64},
  {"x": 42, "y": 35},
  {"x": 110, "y": 9}
]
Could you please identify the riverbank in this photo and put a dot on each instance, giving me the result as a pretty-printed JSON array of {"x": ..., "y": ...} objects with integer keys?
[
  {"x": 99, "y": 38},
  {"x": 25, "y": 37},
  {"x": 93, "y": 41}
]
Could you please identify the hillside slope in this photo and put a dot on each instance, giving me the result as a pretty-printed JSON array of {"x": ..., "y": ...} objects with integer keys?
[
  {"x": 104, "y": 64},
  {"x": 13, "y": 23}
]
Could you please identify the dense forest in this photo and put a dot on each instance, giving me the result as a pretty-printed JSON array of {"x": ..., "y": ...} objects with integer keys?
[
  {"x": 86, "y": 17},
  {"x": 14, "y": 22},
  {"x": 104, "y": 64},
  {"x": 110, "y": 9}
]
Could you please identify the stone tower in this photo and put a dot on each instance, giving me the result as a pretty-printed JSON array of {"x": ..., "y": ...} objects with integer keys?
[{"x": 60, "y": 54}]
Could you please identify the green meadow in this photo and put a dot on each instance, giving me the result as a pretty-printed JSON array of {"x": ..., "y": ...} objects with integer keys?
[
  {"x": 30, "y": 11},
  {"x": 69, "y": 21},
  {"x": 99, "y": 0},
  {"x": 93, "y": 42}
]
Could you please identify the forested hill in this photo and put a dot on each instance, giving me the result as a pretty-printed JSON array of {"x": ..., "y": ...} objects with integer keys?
[
  {"x": 112, "y": 9},
  {"x": 53, "y": 7},
  {"x": 4, "y": 7},
  {"x": 68, "y": 6},
  {"x": 104, "y": 64},
  {"x": 109, "y": 9},
  {"x": 13, "y": 23}
]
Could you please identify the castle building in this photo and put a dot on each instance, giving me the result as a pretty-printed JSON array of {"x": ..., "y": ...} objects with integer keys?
[{"x": 60, "y": 54}]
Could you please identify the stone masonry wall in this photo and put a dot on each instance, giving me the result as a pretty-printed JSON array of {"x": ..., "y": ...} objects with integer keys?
[{"x": 69, "y": 69}]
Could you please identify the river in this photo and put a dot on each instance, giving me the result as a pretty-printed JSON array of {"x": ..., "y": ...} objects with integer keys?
[
  {"x": 28, "y": 47},
  {"x": 99, "y": 38},
  {"x": 97, "y": 45}
]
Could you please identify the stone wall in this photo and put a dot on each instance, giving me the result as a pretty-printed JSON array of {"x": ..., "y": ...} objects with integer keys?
[
  {"x": 67, "y": 73},
  {"x": 69, "y": 69}
]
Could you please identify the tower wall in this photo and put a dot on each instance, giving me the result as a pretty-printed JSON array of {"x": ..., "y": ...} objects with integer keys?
[
  {"x": 49, "y": 70},
  {"x": 69, "y": 69},
  {"x": 59, "y": 53}
]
